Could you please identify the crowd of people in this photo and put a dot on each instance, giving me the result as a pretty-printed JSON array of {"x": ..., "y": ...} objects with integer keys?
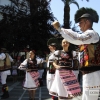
[{"x": 62, "y": 65}]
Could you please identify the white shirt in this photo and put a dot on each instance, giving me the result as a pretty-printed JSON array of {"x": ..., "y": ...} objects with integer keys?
[
  {"x": 88, "y": 37},
  {"x": 23, "y": 65},
  {"x": 2, "y": 56},
  {"x": 39, "y": 60}
]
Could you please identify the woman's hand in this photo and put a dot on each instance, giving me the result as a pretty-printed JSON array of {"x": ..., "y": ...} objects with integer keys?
[
  {"x": 55, "y": 65},
  {"x": 28, "y": 70},
  {"x": 21, "y": 68},
  {"x": 58, "y": 67}
]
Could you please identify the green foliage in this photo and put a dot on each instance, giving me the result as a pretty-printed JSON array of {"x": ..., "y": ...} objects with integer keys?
[{"x": 26, "y": 23}]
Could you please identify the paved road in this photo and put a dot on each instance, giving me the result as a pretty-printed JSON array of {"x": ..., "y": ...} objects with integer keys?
[{"x": 17, "y": 93}]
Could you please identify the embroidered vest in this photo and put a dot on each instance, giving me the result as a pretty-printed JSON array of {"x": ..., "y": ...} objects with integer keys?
[
  {"x": 90, "y": 55},
  {"x": 5, "y": 64},
  {"x": 31, "y": 64},
  {"x": 66, "y": 59},
  {"x": 1, "y": 63}
]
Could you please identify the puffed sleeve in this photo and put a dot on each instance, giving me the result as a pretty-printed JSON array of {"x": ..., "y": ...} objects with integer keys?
[
  {"x": 23, "y": 65},
  {"x": 88, "y": 37},
  {"x": 2, "y": 56},
  {"x": 39, "y": 60},
  {"x": 54, "y": 56}
]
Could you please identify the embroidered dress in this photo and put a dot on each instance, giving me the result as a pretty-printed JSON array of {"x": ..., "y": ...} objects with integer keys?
[
  {"x": 31, "y": 78},
  {"x": 65, "y": 82}
]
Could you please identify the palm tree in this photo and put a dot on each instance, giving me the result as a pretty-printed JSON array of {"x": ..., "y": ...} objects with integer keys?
[
  {"x": 86, "y": 0},
  {"x": 67, "y": 12}
]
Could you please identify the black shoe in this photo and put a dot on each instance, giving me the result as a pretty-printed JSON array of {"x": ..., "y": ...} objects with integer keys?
[
  {"x": 1, "y": 95},
  {"x": 4, "y": 97},
  {"x": 41, "y": 83}
]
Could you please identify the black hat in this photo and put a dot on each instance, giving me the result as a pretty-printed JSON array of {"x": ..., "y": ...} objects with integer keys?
[
  {"x": 53, "y": 44},
  {"x": 85, "y": 16},
  {"x": 86, "y": 13}
]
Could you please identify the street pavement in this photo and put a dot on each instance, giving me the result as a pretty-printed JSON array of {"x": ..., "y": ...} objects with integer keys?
[{"x": 16, "y": 91}]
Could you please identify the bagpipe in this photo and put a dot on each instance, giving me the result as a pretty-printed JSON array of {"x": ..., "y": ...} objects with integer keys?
[{"x": 51, "y": 67}]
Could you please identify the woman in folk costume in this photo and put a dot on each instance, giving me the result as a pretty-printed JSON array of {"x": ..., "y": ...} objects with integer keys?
[
  {"x": 65, "y": 84},
  {"x": 50, "y": 72},
  {"x": 31, "y": 79},
  {"x": 89, "y": 51}
]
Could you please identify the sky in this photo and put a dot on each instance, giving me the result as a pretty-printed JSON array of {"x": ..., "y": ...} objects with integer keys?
[{"x": 57, "y": 7}]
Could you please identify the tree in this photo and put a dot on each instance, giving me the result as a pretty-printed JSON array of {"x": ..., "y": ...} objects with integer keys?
[
  {"x": 26, "y": 25},
  {"x": 66, "y": 21},
  {"x": 42, "y": 17},
  {"x": 67, "y": 12}
]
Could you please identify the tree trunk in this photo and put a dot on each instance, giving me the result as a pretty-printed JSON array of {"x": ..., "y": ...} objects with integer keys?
[{"x": 66, "y": 16}]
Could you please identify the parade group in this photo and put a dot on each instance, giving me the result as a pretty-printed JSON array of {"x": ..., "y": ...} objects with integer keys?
[{"x": 62, "y": 64}]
